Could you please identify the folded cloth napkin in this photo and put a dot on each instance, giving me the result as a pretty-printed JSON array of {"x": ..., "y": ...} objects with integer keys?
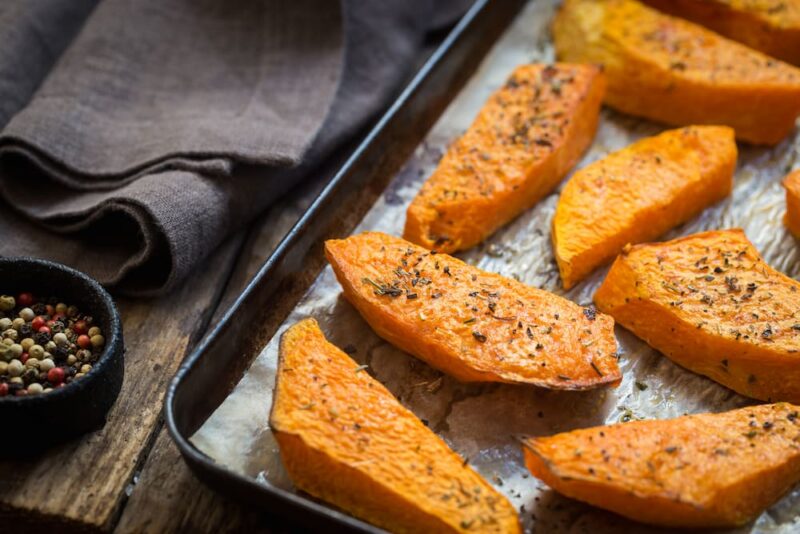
[{"x": 166, "y": 124}]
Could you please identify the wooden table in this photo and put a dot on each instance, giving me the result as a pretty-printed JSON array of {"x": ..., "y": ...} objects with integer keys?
[{"x": 129, "y": 476}]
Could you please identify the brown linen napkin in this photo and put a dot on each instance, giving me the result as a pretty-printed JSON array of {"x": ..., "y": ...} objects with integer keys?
[{"x": 160, "y": 129}]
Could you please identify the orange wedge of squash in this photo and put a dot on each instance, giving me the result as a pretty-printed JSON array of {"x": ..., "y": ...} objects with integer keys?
[
  {"x": 710, "y": 304},
  {"x": 769, "y": 26},
  {"x": 673, "y": 71},
  {"x": 792, "y": 217},
  {"x": 473, "y": 325},
  {"x": 708, "y": 470},
  {"x": 526, "y": 138},
  {"x": 346, "y": 440},
  {"x": 638, "y": 193}
]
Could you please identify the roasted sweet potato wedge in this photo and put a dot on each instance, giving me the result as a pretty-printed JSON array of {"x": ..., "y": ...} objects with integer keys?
[
  {"x": 346, "y": 440},
  {"x": 710, "y": 304},
  {"x": 473, "y": 325},
  {"x": 638, "y": 193},
  {"x": 792, "y": 217},
  {"x": 708, "y": 470},
  {"x": 673, "y": 71},
  {"x": 526, "y": 138},
  {"x": 769, "y": 26}
]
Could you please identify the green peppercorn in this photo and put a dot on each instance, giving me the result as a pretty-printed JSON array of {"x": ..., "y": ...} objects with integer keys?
[
  {"x": 17, "y": 323},
  {"x": 16, "y": 350},
  {"x": 3, "y": 368},
  {"x": 72, "y": 311},
  {"x": 11, "y": 334},
  {"x": 5, "y": 353},
  {"x": 7, "y": 303},
  {"x": 94, "y": 331},
  {"x": 61, "y": 308},
  {"x": 86, "y": 368},
  {"x": 71, "y": 359},
  {"x": 32, "y": 363},
  {"x": 98, "y": 341},
  {"x": 5, "y": 323}
]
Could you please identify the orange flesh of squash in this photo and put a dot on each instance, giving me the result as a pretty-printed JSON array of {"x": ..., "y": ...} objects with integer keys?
[
  {"x": 792, "y": 218},
  {"x": 676, "y": 72},
  {"x": 638, "y": 193},
  {"x": 710, "y": 304},
  {"x": 473, "y": 325},
  {"x": 769, "y": 26},
  {"x": 346, "y": 440},
  {"x": 528, "y": 135},
  {"x": 708, "y": 470}
]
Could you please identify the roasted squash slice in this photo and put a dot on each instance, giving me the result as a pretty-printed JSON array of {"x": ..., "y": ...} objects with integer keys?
[
  {"x": 792, "y": 218},
  {"x": 471, "y": 324},
  {"x": 676, "y": 72},
  {"x": 769, "y": 26},
  {"x": 708, "y": 470},
  {"x": 346, "y": 440},
  {"x": 526, "y": 138},
  {"x": 638, "y": 193},
  {"x": 710, "y": 304}
]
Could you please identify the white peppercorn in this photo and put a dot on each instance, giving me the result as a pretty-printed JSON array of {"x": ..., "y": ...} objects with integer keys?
[
  {"x": 46, "y": 364},
  {"x": 15, "y": 368},
  {"x": 60, "y": 339},
  {"x": 34, "y": 388},
  {"x": 26, "y": 314}
]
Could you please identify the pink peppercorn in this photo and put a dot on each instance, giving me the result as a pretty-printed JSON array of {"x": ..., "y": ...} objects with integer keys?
[
  {"x": 84, "y": 342},
  {"x": 55, "y": 375},
  {"x": 3, "y": 389},
  {"x": 24, "y": 300},
  {"x": 37, "y": 323},
  {"x": 80, "y": 327}
]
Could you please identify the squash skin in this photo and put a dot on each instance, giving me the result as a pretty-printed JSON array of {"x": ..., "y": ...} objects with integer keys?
[
  {"x": 345, "y": 439},
  {"x": 769, "y": 26},
  {"x": 707, "y": 470},
  {"x": 792, "y": 218},
  {"x": 474, "y": 325},
  {"x": 638, "y": 193},
  {"x": 710, "y": 304},
  {"x": 675, "y": 72},
  {"x": 528, "y": 135}
]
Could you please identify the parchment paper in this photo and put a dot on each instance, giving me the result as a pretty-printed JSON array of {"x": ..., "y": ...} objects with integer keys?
[{"x": 480, "y": 421}]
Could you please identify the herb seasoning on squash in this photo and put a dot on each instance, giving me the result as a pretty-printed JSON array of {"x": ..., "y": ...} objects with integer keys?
[
  {"x": 676, "y": 72},
  {"x": 473, "y": 325},
  {"x": 769, "y": 26},
  {"x": 526, "y": 138},
  {"x": 345, "y": 439},
  {"x": 638, "y": 193},
  {"x": 709, "y": 303},
  {"x": 708, "y": 470}
]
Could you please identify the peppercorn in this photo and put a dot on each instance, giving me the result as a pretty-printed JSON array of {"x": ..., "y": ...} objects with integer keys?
[
  {"x": 57, "y": 326},
  {"x": 37, "y": 323},
  {"x": 93, "y": 331},
  {"x": 97, "y": 341},
  {"x": 71, "y": 359},
  {"x": 61, "y": 308},
  {"x": 16, "y": 350},
  {"x": 27, "y": 314},
  {"x": 26, "y": 330},
  {"x": 30, "y": 375},
  {"x": 7, "y": 303},
  {"x": 84, "y": 342},
  {"x": 55, "y": 375},
  {"x": 41, "y": 338},
  {"x": 3, "y": 368},
  {"x": 81, "y": 328},
  {"x": 24, "y": 299},
  {"x": 46, "y": 365},
  {"x": 17, "y": 323},
  {"x": 27, "y": 343},
  {"x": 5, "y": 323},
  {"x": 35, "y": 388},
  {"x": 60, "y": 339},
  {"x": 40, "y": 309},
  {"x": 15, "y": 368},
  {"x": 86, "y": 368},
  {"x": 11, "y": 334},
  {"x": 36, "y": 351},
  {"x": 32, "y": 363},
  {"x": 3, "y": 389}
]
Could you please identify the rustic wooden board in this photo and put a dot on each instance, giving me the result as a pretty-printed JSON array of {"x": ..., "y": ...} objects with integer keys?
[{"x": 82, "y": 485}]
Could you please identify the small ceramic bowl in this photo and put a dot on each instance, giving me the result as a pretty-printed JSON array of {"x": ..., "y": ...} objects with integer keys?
[{"x": 32, "y": 423}]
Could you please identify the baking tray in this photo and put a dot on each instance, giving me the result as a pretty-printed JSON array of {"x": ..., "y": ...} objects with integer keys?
[
  {"x": 479, "y": 421},
  {"x": 217, "y": 364}
]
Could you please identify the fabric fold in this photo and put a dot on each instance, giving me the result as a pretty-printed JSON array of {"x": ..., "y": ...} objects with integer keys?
[{"x": 168, "y": 125}]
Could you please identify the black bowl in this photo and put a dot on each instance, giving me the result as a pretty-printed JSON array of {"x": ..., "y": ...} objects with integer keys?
[{"x": 34, "y": 422}]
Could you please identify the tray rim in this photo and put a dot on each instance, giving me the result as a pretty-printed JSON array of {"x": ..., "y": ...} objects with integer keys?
[{"x": 202, "y": 465}]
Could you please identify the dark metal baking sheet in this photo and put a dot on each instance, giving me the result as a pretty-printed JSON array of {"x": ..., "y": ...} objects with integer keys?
[{"x": 212, "y": 370}]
